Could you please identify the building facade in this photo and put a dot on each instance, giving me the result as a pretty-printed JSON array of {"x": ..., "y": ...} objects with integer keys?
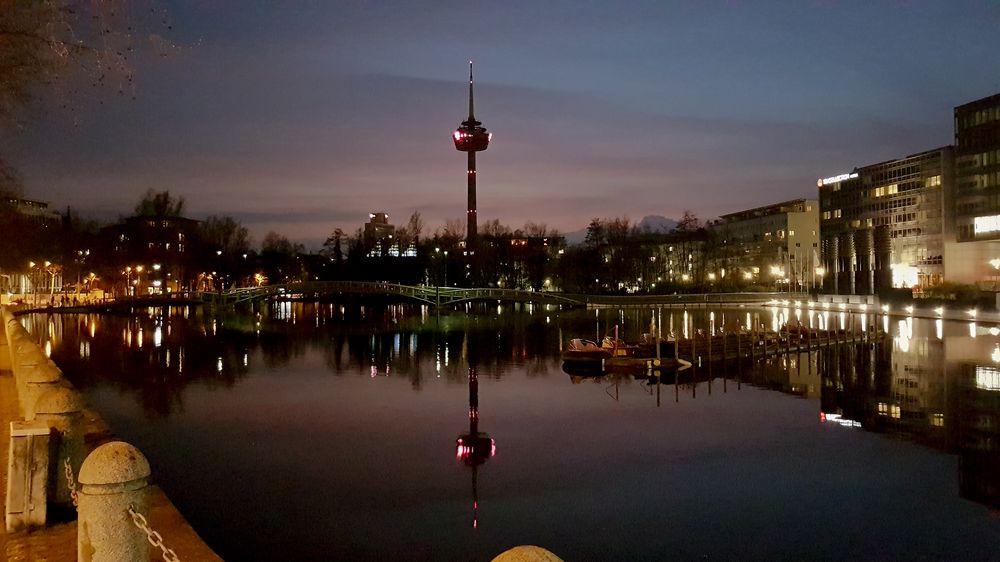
[
  {"x": 155, "y": 255},
  {"x": 776, "y": 244},
  {"x": 974, "y": 257},
  {"x": 886, "y": 225}
]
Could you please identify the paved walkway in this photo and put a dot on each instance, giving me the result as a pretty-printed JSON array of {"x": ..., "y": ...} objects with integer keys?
[{"x": 57, "y": 543}]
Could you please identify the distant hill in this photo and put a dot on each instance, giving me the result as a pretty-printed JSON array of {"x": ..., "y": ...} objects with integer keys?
[
  {"x": 653, "y": 223},
  {"x": 656, "y": 223}
]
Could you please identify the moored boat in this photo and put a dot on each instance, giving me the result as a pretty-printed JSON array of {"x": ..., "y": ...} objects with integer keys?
[{"x": 585, "y": 352}]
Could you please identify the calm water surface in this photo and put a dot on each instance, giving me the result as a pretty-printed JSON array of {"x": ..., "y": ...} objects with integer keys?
[{"x": 329, "y": 432}]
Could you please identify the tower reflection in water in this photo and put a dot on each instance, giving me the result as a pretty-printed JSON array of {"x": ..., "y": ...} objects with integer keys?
[
  {"x": 475, "y": 447},
  {"x": 935, "y": 383}
]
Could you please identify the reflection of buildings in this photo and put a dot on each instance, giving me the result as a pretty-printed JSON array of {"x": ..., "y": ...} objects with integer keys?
[
  {"x": 979, "y": 457},
  {"x": 474, "y": 448},
  {"x": 937, "y": 390}
]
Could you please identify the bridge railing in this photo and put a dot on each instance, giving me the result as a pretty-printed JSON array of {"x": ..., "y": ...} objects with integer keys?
[{"x": 453, "y": 295}]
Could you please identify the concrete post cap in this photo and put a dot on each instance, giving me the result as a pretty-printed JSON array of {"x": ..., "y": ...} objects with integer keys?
[
  {"x": 116, "y": 462},
  {"x": 59, "y": 400},
  {"x": 42, "y": 373},
  {"x": 527, "y": 553}
]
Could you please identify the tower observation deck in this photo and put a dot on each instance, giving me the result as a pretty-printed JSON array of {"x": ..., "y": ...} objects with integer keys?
[{"x": 471, "y": 137}]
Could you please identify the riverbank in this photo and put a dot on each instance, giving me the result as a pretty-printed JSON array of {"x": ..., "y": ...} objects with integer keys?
[{"x": 58, "y": 542}]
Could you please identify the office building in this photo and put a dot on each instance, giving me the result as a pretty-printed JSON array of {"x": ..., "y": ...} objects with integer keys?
[
  {"x": 885, "y": 225},
  {"x": 975, "y": 256},
  {"x": 776, "y": 244}
]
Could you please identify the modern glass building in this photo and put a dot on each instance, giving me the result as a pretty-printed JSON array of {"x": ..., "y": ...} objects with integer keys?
[
  {"x": 886, "y": 224},
  {"x": 975, "y": 257},
  {"x": 977, "y": 169}
]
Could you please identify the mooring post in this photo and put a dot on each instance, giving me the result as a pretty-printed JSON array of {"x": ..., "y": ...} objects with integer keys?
[
  {"x": 114, "y": 479},
  {"x": 61, "y": 409}
]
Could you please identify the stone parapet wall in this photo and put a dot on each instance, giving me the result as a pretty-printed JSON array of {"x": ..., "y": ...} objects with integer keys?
[{"x": 46, "y": 396}]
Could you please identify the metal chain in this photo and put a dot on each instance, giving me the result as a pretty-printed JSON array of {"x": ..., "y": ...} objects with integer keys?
[
  {"x": 71, "y": 482},
  {"x": 152, "y": 536}
]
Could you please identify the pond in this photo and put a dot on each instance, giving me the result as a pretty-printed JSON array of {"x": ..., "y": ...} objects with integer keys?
[{"x": 324, "y": 431}]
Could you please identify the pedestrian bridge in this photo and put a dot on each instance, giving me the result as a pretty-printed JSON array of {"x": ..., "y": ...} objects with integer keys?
[
  {"x": 448, "y": 296},
  {"x": 437, "y": 296}
]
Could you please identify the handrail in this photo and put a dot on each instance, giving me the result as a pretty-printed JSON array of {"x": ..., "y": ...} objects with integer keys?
[{"x": 453, "y": 295}]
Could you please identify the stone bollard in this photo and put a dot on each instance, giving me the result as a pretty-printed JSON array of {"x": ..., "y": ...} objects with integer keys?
[
  {"x": 527, "y": 553},
  {"x": 61, "y": 409},
  {"x": 4, "y": 347},
  {"x": 36, "y": 382},
  {"x": 113, "y": 478},
  {"x": 25, "y": 358}
]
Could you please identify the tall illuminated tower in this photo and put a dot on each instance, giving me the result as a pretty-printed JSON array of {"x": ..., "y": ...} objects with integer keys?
[{"x": 471, "y": 137}]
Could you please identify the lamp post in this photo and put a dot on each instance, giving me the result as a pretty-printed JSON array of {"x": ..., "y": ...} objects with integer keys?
[
  {"x": 820, "y": 272},
  {"x": 778, "y": 274},
  {"x": 127, "y": 272},
  {"x": 31, "y": 279}
]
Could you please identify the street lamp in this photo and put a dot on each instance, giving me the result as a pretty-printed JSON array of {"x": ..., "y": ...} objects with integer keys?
[{"x": 31, "y": 279}]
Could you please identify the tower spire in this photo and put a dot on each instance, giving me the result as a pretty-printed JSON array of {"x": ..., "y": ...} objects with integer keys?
[{"x": 471, "y": 112}]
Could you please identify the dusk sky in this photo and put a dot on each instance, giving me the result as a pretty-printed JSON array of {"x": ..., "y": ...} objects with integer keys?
[{"x": 302, "y": 117}]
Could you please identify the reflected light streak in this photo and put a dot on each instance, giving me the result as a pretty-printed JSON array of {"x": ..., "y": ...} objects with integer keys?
[{"x": 838, "y": 419}]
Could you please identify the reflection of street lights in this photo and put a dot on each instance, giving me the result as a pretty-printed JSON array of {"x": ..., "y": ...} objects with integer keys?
[{"x": 995, "y": 262}]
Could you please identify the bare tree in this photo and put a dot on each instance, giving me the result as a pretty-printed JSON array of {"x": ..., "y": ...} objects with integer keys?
[
  {"x": 68, "y": 46},
  {"x": 10, "y": 181},
  {"x": 494, "y": 228},
  {"x": 160, "y": 204},
  {"x": 535, "y": 230},
  {"x": 688, "y": 223},
  {"x": 333, "y": 247}
]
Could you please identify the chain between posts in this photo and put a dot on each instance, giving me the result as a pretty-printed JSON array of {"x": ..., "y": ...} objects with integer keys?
[
  {"x": 71, "y": 482},
  {"x": 154, "y": 538}
]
